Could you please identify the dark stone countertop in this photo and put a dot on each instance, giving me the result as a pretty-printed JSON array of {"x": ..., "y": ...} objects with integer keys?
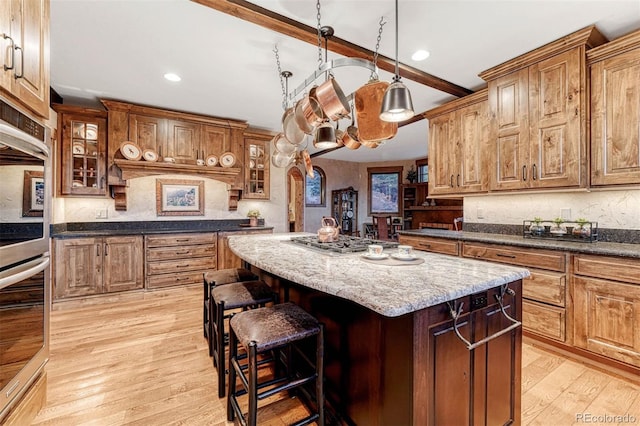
[
  {"x": 598, "y": 247},
  {"x": 99, "y": 229}
]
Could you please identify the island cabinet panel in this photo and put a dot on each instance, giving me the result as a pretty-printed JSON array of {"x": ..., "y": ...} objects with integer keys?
[
  {"x": 87, "y": 266},
  {"x": 179, "y": 259},
  {"x": 606, "y": 294},
  {"x": 615, "y": 119}
]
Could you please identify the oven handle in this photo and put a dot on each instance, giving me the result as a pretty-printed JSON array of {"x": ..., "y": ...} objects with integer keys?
[{"x": 21, "y": 273}]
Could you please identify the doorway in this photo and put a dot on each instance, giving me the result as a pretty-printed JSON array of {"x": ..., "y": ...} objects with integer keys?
[{"x": 295, "y": 200}]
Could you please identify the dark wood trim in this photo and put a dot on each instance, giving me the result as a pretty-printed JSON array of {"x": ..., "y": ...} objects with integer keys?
[{"x": 260, "y": 16}]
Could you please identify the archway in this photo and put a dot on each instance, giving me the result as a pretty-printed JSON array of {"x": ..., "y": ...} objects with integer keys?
[{"x": 295, "y": 200}]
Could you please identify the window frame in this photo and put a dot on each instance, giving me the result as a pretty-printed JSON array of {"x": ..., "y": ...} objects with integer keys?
[
  {"x": 323, "y": 181},
  {"x": 398, "y": 170},
  {"x": 421, "y": 163}
]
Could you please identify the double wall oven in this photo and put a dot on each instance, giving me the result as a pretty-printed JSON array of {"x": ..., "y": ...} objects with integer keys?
[{"x": 25, "y": 202}]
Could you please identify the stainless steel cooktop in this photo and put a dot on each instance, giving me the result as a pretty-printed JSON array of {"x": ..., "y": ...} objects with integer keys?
[{"x": 344, "y": 244}]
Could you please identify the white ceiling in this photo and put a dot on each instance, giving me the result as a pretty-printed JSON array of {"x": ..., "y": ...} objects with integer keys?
[{"x": 121, "y": 50}]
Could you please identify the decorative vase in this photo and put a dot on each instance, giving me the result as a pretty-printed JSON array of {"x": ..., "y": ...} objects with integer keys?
[
  {"x": 253, "y": 221},
  {"x": 536, "y": 229}
]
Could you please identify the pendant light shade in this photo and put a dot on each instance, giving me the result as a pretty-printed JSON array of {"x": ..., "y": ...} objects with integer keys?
[
  {"x": 325, "y": 136},
  {"x": 396, "y": 104}
]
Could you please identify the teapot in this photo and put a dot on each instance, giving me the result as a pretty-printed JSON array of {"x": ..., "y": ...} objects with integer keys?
[{"x": 329, "y": 231}]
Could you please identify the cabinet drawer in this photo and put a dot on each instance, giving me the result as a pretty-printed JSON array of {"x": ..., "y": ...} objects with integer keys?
[
  {"x": 180, "y": 265},
  {"x": 614, "y": 268},
  {"x": 435, "y": 245},
  {"x": 180, "y": 239},
  {"x": 547, "y": 321},
  {"x": 175, "y": 252},
  {"x": 167, "y": 280},
  {"x": 545, "y": 286},
  {"x": 533, "y": 258}
]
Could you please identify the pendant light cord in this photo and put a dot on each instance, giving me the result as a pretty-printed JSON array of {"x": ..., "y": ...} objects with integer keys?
[{"x": 397, "y": 68}]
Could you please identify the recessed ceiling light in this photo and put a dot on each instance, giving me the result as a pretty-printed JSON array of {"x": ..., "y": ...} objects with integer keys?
[
  {"x": 172, "y": 77},
  {"x": 420, "y": 55}
]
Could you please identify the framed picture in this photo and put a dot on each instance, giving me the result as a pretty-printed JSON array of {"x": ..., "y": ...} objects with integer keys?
[
  {"x": 179, "y": 197},
  {"x": 33, "y": 194}
]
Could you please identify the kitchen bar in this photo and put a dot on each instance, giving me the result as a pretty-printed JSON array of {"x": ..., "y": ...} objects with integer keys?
[{"x": 393, "y": 355}]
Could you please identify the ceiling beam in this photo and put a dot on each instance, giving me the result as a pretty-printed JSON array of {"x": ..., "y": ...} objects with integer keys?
[{"x": 260, "y": 16}]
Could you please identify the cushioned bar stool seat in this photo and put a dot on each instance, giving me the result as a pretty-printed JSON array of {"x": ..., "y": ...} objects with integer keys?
[
  {"x": 212, "y": 279},
  {"x": 274, "y": 328},
  {"x": 241, "y": 295}
]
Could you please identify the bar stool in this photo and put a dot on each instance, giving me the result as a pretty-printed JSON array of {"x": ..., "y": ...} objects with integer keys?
[
  {"x": 211, "y": 279},
  {"x": 241, "y": 295},
  {"x": 272, "y": 329}
]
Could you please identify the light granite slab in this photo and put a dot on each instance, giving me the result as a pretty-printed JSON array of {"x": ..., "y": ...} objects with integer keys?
[{"x": 388, "y": 290}]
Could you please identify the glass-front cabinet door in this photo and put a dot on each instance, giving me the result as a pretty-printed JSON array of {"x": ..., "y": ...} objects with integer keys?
[
  {"x": 257, "y": 167},
  {"x": 83, "y": 155}
]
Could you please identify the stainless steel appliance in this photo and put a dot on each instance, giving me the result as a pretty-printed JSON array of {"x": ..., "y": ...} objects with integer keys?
[
  {"x": 25, "y": 201},
  {"x": 343, "y": 244}
]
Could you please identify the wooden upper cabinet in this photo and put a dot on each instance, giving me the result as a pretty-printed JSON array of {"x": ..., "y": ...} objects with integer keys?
[
  {"x": 149, "y": 132},
  {"x": 257, "y": 164},
  {"x": 25, "y": 53},
  {"x": 183, "y": 141},
  {"x": 83, "y": 149},
  {"x": 458, "y": 133},
  {"x": 214, "y": 141},
  {"x": 538, "y": 108},
  {"x": 615, "y": 112}
]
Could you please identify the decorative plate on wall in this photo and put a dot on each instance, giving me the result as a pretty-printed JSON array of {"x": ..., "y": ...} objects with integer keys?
[
  {"x": 211, "y": 160},
  {"x": 149, "y": 155},
  {"x": 228, "y": 159},
  {"x": 130, "y": 150}
]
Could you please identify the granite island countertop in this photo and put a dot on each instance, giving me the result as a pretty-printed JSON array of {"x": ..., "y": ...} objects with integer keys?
[
  {"x": 388, "y": 290},
  {"x": 598, "y": 247}
]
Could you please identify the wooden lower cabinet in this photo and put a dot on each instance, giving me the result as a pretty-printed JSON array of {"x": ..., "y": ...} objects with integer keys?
[
  {"x": 606, "y": 292},
  {"x": 179, "y": 259},
  {"x": 226, "y": 258},
  {"x": 88, "y": 266},
  {"x": 435, "y": 245}
]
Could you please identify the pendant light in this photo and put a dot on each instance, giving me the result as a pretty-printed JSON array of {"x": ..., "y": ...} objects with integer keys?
[
  {"x": 325, "y": 136},
  {"x": 396, "y": 104}
]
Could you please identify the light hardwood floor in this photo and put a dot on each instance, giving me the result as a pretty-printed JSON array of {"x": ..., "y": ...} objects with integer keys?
[{"x": 141, "y": 359}]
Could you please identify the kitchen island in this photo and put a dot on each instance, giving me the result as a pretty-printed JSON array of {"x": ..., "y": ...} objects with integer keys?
[{"x": 393, "y": 353}]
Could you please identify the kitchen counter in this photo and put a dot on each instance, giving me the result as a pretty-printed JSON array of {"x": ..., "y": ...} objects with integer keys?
[
  {"x": 388, "y": 290},
  {"x": 96, "y": 229},
  {"x": 599, "y": 247}
]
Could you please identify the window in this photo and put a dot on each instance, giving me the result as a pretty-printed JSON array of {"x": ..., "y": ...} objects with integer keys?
[
  {"x": 384, "y": 186},
  {"x": 423, "y": 170},
  {"x": 314, "y": 188}
]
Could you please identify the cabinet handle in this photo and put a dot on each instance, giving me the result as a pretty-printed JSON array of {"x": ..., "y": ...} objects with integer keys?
[
  {"x": 533, "y": 172},
  {"x": 458, "y": 180},
  {"x": 106, "y": 249},
  {"x": 524, "y": 172},
  {"x": 510, "y": 256},
  {"x": 97, "y": 250},
  {"x": 457, "y": 312},
  {"x": 183, "y": 252},
  {"x": 182, "y": 279},
  {"x": 424, "y": 245},
  {"x": 12, "y": 47},
  {"x": 21, "y": 63},
  {"x": 451, "y": 181},
  {"x": 183, "y": 266}
]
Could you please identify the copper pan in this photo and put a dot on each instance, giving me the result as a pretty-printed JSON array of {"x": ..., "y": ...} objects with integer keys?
[
  {"x": 290, "y": 128},
  {"x": 350, "y": 137},
  {"x": 308, "y": 114},
  {"x": 332, "y": 99}
]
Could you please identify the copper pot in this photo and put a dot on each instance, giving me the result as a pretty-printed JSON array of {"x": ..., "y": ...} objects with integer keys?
[
  {"x": 350, "y": 138},
  {"x": 332, "y": 99},
  {"x": 290, "y": 128},
  {"x": 308, "y": 114}
]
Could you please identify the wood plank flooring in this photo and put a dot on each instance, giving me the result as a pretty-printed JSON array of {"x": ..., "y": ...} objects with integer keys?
[{"x": 141, "y": 359}]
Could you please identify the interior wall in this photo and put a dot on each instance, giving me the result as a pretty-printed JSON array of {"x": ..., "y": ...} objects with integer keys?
[{"x": 617, "y": 209}]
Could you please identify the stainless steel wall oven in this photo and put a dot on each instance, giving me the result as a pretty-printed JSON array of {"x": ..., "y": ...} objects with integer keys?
[{"x": 25, "y": 202}]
